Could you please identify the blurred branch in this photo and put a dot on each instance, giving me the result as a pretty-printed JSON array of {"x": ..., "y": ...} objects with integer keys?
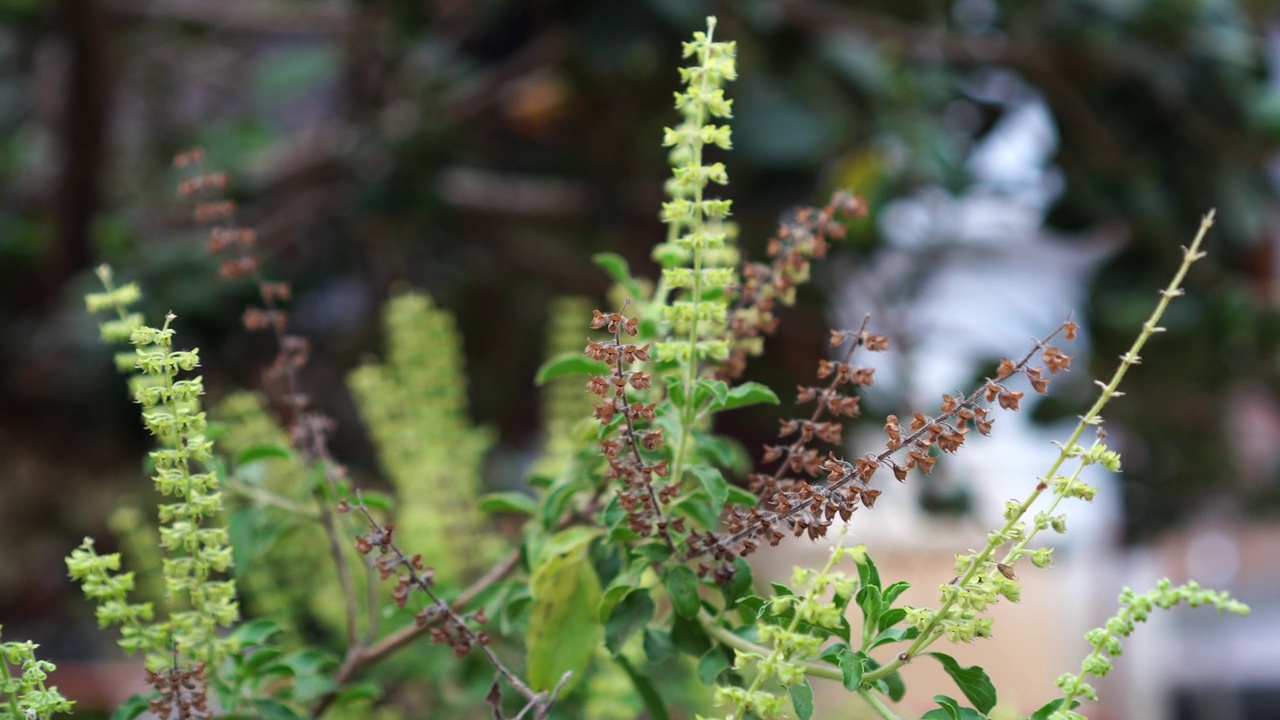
[
  {"x": 489, "y": 191},
  {"x": 262, "y": 16},
  {"x": 83, "y": 129}
]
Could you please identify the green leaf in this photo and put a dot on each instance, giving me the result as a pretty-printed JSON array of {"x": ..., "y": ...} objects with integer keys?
[
  {"x": 1044, "y": 713},
  {"x": 675, "y": 390},
  {"x": 512, "y": 502},
  {"x": 710, "y": 665},
  {"x": 951, "y": 710},
  {"x": 566, "y": 364},
  {"x": 616, "y": 267},
  {"x": 377, "y": 500},
  {"x": 697, "y": 507},
  {"x": 655, "y": 552},
  {"x": 717, "y": 389},
  {"x": 257, "y": 632},
  {"x": 892, "y": 592},
  {"x": 802, "y": 699},
  {"x": 868, "y": 573},
  {"x": 263, "y": 452},
  {"x": 890, "y": 617},
  {"x": 738, "y": 496},
  {"x": 628, "y": 616},
  {"x": 689, "y": 637},
  {"x": 363, "y": 690},
  {"x": 851, "y": 667},
  {"x": 972, "y": 681},
  {"x": 739, "y": 586},
  {"x": 564, "y": 626},
  {"x": 657, "y": 646},
  {"x": 682, "y": 586},
  {"x": 645, "y": 689},
  {"x": 895, "y": 688},
  {"x": 872, "y": 604},
  {"x": 748, "y": 393},
  {"x": 275, "y": 710},
  {"x": 893, "y": 635},
  {"x": 132, "y": 708},
  {"x": 613, "y": 514},
  {"x": 724, "y": 452},
  {"x": 714, "y": 483}
]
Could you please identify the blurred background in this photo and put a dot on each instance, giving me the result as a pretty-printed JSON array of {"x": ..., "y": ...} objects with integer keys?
[{"x": 1022, "y": 161}]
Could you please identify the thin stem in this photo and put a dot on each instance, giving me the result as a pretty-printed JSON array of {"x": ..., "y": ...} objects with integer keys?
[
  {"x": 1091, "y": 418},
  {"x": 878, "y": 705},
  {"x": 359, "y": 659},
  {"x": 14, "y": 710},
  {"x": 266, "y": 497}
]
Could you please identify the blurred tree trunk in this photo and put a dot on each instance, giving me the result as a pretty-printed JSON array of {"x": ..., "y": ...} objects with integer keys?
[{"x": 82, "y": 133}]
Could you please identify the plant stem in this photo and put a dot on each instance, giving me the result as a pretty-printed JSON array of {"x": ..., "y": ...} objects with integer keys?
[
  {"x": 878, "y": 705},
  {"x": 1093, "y": 417}
]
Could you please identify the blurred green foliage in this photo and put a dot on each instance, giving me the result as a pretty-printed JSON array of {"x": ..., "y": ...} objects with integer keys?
[{"x": 484, "y": 151}]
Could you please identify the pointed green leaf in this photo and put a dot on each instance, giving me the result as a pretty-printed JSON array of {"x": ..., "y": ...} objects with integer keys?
[
  {"x": 948, "y": 709},
  {"x": 851, "y": 667},
  {"x": 710, "y": 665},
  {"x": 1044, "y": 713},
  {"x": 566, "y": 364},
  {"x": 740, "y": 585},
  {"x": 715, "y": 389},
  {"x": 892, "y": 592},
  {"x": 657, "y": 646},
  {"x": 274, "y": 710},
  {"x": 512, "y": 502},
  {"x": 868, "y": 573},
  {"x": 872, "y": 604},
  {"x": 628, "y": 616},
  {"x": 713, "y": 482},
  {"x": 648, "y": 693},
  {"x": 748, "y": 393},
  {"x": 132, "y": 708},
  {"x": 688, "y": 636},
  {"x": 682, "y": 586},
  {"x": 255, "y": 632},
  {"x": 890, "y": 617},
  {"x": 263, "y": 452},
  {"x": 802, "y": 699},
  {"x": 951, "y": 710},
  {"x": 616, "y": 267},
  {"x": 564, "y": 626},
  {"x": 972, "y": 681}
]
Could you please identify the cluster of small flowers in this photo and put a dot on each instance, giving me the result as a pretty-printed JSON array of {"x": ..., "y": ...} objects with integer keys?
[
  {"x": 238, "y": 245},
  {"x": 624, "y": 444},
  {"x": 27, "y": 691},
  {"x": 182, "y": 693},
  {"x": 445, "y": 625},
  {"x": 1134, "y": 608},
  {"x": 765, "y": 286},
  {"x": 791, "y": 500},
  {"x": 793, "y": 503}
]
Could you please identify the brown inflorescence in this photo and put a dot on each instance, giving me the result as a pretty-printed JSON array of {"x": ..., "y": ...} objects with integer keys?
[
  {"x": 633, "y": 436},
  {"x": 807, "y": 491},
  {"x": 182, "y": 694},
  {"x": 804, "y": 236}
]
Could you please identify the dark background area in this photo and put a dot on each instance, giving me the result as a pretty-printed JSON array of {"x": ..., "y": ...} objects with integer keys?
[{"x": 482, "y": 151}]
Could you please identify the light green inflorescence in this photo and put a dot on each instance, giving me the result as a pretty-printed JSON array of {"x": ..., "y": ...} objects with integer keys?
[
  {"x": 195, "y": 543},
  {"x": 696, "y": 258},
  {"x": 415, "y": 406},
  {"x": 23, "y": 695}
]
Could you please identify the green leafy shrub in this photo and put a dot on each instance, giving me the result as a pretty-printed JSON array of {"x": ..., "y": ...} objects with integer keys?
[{"x": 627, "y": 589}]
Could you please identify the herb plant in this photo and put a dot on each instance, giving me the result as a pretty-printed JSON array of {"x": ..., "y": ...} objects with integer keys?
[{"x": 627, "y": 589}]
